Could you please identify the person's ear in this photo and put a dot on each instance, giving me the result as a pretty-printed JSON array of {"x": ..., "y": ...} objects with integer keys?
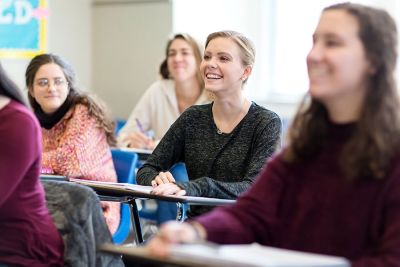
[{"x": 247, "y": 71}]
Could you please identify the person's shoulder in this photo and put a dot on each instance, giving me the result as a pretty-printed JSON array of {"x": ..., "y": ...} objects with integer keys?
[
  {"x": 164, "y": 85},
  {"x": 160, "y": 89},
  {"x": 20, "y": 113},
  {"x": 197, "y": 112},
  {"x": 264, "y": 113},
  {"x": 79, "y": 112},
  {"x": 80, "y": 115},
  {"x": 198, "y": 109},
  {"x": 79, "y": 109},
  {"x": 21, "y": 117}
]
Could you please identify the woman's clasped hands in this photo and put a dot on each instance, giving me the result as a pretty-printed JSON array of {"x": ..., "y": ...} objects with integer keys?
[{"x": 164, "y": 184}]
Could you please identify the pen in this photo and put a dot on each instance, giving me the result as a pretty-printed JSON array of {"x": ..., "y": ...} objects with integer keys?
[{"x": 139, "y": 125}]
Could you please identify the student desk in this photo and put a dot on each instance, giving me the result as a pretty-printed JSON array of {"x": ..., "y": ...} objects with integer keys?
[
  {"x": 206, "y": 254},
  {"x": 128, "y": 193},
  {"x": 140, "y": 257}
]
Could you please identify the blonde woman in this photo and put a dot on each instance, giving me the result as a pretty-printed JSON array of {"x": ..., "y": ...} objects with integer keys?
[{"x": 224, "y": 144}]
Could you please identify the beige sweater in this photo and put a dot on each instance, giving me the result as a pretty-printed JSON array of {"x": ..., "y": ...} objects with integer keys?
[{"x": 156, "y": 110}]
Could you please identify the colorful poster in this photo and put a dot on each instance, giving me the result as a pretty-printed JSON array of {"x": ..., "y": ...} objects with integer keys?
[{"x": 22, "y": 28}]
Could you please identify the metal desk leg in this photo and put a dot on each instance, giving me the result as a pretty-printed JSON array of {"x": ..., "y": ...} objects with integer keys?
[{"x": 136, "y": 222}]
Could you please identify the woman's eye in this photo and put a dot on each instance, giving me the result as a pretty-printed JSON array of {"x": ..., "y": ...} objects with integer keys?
[
  {"x": 59, "y": 82},
  {"x": 42, "y": 83},
  {"x": 332, "y": 43}
]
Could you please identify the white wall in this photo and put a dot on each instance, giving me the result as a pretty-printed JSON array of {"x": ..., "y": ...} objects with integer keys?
[
  {"x": 70, "y": 28},
  {"x": 69, "y": 35},
  {"x": 129, "y": 39}
]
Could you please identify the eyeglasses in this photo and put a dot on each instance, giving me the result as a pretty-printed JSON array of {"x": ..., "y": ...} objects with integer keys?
[{"x": 57, "y": 82}]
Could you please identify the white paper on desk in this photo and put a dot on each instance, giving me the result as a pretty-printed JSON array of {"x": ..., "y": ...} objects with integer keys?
[
  {"x": 253, "y": 255},
  {"x": 112, "y": 185}
]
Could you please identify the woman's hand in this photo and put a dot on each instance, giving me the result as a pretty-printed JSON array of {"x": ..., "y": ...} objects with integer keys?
[
  {"x": 139, "y": 140},
  {"x": 163, "y": 178},
  {"x": 174, "y": 232},
  {"x": 168, "y": 189}
]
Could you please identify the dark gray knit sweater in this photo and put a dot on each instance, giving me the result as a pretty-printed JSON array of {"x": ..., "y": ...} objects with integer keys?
[{"x": 218, "y": 165}]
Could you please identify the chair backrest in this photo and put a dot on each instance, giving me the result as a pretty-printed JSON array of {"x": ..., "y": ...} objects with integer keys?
[
  {"x": 119, "y": 123},
  {"x": 179, "y": 172},
  {"x": 125, "y": 163}
]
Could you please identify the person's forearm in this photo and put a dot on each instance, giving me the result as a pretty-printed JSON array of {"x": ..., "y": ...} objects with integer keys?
[
  {"x": 145, "y": 175},
  {"x": 208, "y": 187}
]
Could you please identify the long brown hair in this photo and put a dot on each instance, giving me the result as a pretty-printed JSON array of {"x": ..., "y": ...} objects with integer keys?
[
  {"x": 377, "y": 136},
  {"x": 96, "y": 107}
]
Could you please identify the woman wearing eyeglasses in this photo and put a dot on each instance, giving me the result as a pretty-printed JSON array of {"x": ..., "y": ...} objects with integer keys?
[{"x": 77, "y": 132}]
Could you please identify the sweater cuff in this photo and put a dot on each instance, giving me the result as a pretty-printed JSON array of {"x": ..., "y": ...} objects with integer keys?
[{"x": 187, "y": 187}]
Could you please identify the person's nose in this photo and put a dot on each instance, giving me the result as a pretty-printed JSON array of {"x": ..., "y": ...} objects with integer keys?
[
  {"x": 212, "y": 64},
  {"x": 178, "y": 57},
  {"x": 315, "y": 53},
  {"x": 51, "y": 86}
]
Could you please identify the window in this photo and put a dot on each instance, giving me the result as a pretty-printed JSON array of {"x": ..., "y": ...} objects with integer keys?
[
  {"x": 280, "y": 29},
  {"x": 202, "y": 17}
]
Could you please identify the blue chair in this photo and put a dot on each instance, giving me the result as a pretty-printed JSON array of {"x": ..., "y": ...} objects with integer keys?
[
  {"x": 119, "y": 123},
  {"x": 166, "y": 210},
  {"x": 125, "y": 163}
]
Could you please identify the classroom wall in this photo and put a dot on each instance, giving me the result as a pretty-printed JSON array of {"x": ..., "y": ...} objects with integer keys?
[{"x": 129, "y": 39}]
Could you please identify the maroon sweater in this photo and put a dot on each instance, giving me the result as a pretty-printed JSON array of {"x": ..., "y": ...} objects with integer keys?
[
  {"x": 310, "y": 207},
  {"x": 28, "y": 236}
]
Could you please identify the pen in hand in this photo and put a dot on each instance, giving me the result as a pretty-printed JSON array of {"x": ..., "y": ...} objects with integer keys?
[
  {"x": 139, "y": 125},
  {"x": 141, "y": 139}
]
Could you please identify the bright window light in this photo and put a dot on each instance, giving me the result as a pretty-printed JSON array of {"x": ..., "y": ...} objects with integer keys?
[{"x": 280, "y": 29}]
